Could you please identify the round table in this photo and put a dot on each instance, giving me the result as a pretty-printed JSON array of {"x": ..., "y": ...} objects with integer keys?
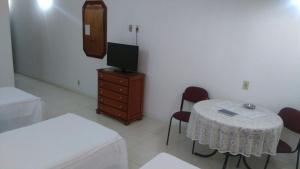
[{"x": 250, "y": 132}]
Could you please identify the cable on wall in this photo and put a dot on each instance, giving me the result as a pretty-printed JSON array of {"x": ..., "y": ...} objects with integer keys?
[{"x": 137, "y": 29}]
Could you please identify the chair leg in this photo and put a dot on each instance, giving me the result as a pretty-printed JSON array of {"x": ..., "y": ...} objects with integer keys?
[
  {"x": 169, "y": 130},
  {"x": 239, "y": 162},
  {"x": 226, "y": 161},
  {"x": 193, "y": 150},
  {"x": 179, "y": 127},
  {"x": 298, "y": 159},
  {"x": 267, "y": 162}
]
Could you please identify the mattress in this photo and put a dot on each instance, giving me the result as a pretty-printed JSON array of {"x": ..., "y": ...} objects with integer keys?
[
  {"x": 18, "y": 109},
  {"x": 166, "y": 161},
  {"x": 65, "y": 142}
]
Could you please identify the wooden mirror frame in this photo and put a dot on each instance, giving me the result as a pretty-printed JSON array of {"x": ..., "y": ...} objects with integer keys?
[{"x": 94, "y": 40}]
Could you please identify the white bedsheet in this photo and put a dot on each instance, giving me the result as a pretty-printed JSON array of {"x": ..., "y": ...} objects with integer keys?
[
  {"x": 166, "y": 161},
  {"x": 18, "y": 109},
  {"x": 65, "y": 142}
]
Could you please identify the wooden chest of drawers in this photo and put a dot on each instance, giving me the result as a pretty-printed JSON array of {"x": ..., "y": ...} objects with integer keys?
[{"x": 121, "y": 95}]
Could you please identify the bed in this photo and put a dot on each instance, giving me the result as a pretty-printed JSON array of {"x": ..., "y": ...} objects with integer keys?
[
  {"x": 65, "y": 142},
  {"x": 18, "y": 109},
  {"x": 167, "y": 161}
]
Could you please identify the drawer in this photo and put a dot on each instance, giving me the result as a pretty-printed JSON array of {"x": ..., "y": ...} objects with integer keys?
[
  {"x": 112, "y": 95},
  {"x": 113, "y": 103},
  {"x": 113, "y": 112},
  {"x": 114, "y": 79},
  {"x": 114, "y": 87}
]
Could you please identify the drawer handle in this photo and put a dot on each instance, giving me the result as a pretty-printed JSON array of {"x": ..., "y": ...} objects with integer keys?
[
  {"x": 121, "y": 90},
  {"x": 120, "y": 107},
  {"x": 121, "y": 81}
]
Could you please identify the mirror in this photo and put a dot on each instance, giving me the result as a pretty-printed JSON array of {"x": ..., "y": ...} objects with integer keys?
[{"x": 94, "y": 14}]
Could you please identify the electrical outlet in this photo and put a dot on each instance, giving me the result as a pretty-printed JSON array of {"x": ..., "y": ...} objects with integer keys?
[
  {"x": 78, "y": 83},
  {"x": 130, "y": 28},
  {"x": 246, "y": 85}
]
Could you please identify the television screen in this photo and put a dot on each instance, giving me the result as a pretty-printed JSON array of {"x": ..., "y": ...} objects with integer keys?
[{"x": 123, "y": 56}]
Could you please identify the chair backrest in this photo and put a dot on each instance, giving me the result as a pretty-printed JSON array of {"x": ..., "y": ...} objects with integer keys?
[
  {"x": 291, "y": 118},
  {"x": 195, "y": 94}
]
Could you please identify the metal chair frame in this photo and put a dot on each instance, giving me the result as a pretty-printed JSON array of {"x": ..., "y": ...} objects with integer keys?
[
  {"x": 291, "y": 125},
  {"x": 170, "y": 124},
  {"x": 183, "y": 98},
  {"x": 294, "y": 151}
]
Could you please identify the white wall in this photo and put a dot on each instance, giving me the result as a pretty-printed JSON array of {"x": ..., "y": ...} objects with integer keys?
[
  {"x": 6, "y": 63},
  {"x": 215, "y": 44}
]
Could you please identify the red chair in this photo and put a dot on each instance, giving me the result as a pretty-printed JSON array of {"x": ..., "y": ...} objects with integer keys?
[
  {"x": 291, "y": 118},
  {"x": 191, "y": 94}
]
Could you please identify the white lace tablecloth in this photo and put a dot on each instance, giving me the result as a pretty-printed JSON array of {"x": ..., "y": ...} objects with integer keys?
[{"x": 251, "y": 132}]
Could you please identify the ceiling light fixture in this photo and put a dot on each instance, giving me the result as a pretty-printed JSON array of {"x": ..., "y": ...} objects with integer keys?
[
  {"x": 45, "y": 4},
  {"x": 296, "y": 3}
]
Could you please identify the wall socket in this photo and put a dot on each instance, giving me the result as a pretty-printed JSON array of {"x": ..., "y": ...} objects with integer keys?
[
  {"x": 132, "y": 28},
  {"x": 246, "y": 85}
]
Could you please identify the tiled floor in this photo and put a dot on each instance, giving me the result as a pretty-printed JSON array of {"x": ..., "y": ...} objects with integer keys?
[{"x": 145, "y": 138}]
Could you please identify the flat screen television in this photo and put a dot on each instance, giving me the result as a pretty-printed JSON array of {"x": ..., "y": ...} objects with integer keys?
[{"x": 124, "y": 57}]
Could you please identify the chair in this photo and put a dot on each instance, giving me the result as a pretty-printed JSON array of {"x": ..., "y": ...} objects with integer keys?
[
  {"x": 191, "y": 94},
  {"x": 290, "y": 119}
]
